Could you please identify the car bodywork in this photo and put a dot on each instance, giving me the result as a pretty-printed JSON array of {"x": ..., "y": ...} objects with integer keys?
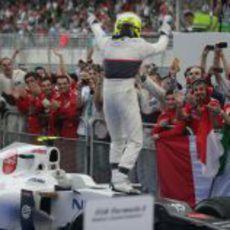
[{"x": 36, "y": 194}]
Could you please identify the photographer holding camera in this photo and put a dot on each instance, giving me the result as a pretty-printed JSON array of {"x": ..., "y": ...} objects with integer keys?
[
  {"x": 223, "y": 83},
  {"x": 89, "y": 85},
  {"x": 207, "y": 49},
  {"x": 216, "y": 70},
  {"x": 86, "y": 87}
]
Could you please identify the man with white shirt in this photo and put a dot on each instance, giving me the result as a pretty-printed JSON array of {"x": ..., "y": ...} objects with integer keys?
[{"x": 11, "y": 84}]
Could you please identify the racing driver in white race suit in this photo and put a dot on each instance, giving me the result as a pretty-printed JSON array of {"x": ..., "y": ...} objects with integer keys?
[{"x": 122, "y": 55}]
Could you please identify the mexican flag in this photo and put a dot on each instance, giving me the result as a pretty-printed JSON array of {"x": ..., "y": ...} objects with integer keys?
[
  {"x": 221, "y": 186},
  {"x": 226, "y": 145},
  {"x": 180, "y": 171},
  {"x": 209, "y": 146}
]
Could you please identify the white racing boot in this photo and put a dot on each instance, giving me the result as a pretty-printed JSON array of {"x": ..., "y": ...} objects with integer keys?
[{"x": 121, "y": 183}]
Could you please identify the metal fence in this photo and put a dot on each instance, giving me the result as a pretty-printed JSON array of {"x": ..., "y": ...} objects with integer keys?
[
  {"x": 33, "y": 41},
  {"x": 36, "y": 50}
]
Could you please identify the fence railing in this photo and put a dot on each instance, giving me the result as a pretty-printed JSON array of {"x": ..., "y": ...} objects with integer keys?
[{"x": 32, "y": 41}]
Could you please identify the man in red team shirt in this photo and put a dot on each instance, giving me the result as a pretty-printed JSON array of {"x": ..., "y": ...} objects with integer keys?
[
  {"x": 202, "y": 106},
  {"x": 167, "y": 124},
  {"x": 25, "y": 101},
  {"x": 48, "y": 104},
  {"x": 68, "y": 110}
]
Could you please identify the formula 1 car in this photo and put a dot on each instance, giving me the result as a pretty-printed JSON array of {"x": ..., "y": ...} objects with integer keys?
[{"x": 36, "y": 194}]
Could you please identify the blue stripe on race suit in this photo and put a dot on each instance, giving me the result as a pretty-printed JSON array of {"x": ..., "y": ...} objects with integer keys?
[{"x": 121, "y": 69}]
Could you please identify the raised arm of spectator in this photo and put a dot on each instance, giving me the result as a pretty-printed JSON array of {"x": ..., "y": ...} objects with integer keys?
[
  {"x": 204, "y": 55},
  {"x": 215, "y": 66},
  {"x": 216, "y": 70},
  {"x": 48, "y": 70},
  {"x": 216, "y": 59},
  {"x": 89, "y": 54},
  {"x": 225, "y": 64},
  {"x": 62, "y": 67},
  {"x": 153, "y": 87},
  {"x": 174, "y": 67},
  {"x": 98, "y": 96},
  {"x": 14, "y": 55}
]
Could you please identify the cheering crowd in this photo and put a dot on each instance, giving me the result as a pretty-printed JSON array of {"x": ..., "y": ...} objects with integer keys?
[
  {"x": 52, "y": 101},
  {"x": 55, "y": 16}
]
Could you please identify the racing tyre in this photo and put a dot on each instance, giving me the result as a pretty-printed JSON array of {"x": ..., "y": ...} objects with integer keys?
[{"x": 218, "y": 207}]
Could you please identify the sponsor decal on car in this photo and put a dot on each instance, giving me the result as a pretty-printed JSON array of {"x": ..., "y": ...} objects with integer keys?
[
  {"x": 36, "y": 180},
  {"x": 26, "y": 211},
  {"x": 39, "y": 151},
  {"x": 10, "y": 164},
  {"x": 77, "y": 204}
]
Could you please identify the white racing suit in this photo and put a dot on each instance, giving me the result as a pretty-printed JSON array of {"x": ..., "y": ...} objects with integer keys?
[{"x": 122, "y": 59}]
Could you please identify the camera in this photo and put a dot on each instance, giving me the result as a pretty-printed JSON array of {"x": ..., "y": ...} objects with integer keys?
[
  {"x": 222, "y": 45},
  {"x": 218, "y": 69},
  {"x": 209, "y": 47}
]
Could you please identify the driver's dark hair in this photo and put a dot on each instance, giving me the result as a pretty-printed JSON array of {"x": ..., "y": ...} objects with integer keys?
[{"x": 126, "y": 31}]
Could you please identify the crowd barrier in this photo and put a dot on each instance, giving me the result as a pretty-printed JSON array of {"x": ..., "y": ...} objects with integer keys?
[{"x": 33, "y": 40}]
